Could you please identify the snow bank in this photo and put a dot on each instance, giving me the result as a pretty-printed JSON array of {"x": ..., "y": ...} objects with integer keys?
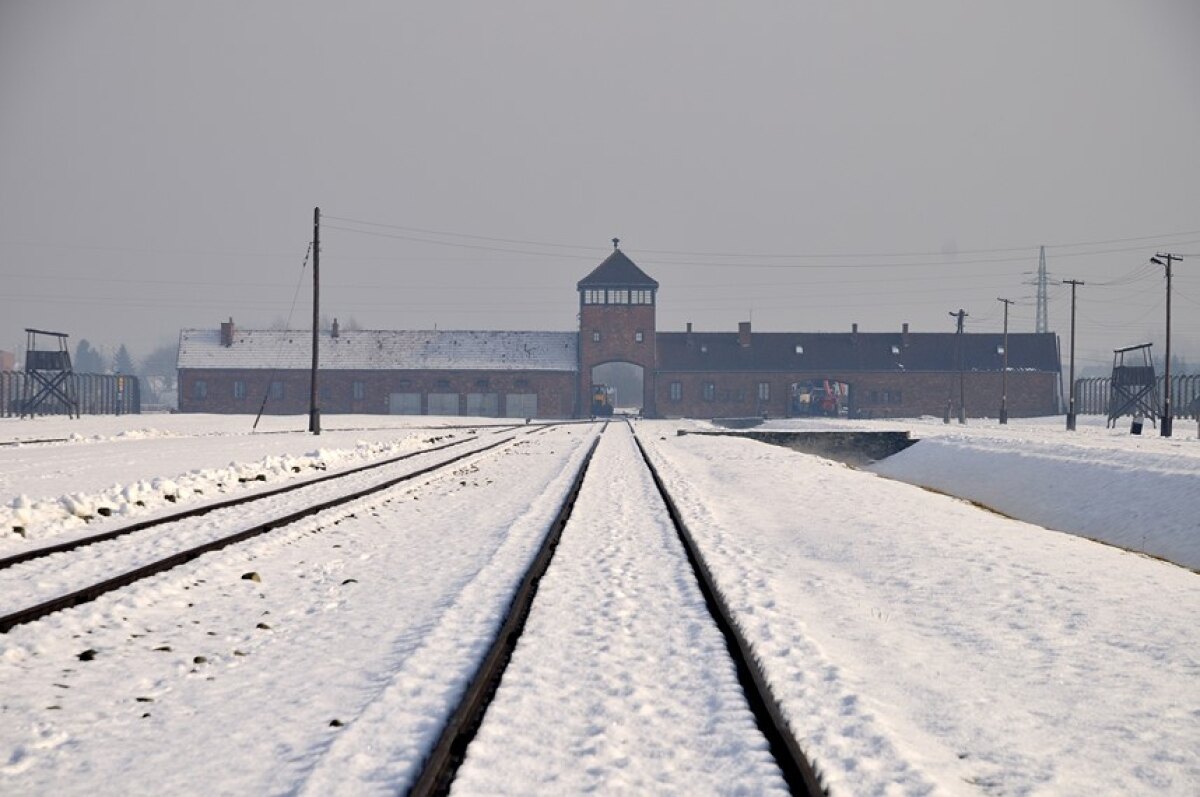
[
  {"x": 1141, "y": 500},
  {"x": 24, "y": 518}
]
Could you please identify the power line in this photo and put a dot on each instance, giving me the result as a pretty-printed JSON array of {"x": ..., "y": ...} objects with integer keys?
[
  {"x": 765, "y": 256},
  {"x": 700, "y": 264},
  {"x": 144, "y": 251}
]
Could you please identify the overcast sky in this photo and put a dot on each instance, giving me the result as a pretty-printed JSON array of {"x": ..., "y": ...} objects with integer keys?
[{"x": 159, "y": 163}]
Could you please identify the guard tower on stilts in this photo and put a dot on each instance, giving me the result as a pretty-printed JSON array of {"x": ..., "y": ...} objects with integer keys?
[
  {"x": 48, "y": 386},
  {"x": 1134, "y": 385}
]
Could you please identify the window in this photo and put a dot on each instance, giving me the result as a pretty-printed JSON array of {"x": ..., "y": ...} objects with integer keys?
[
  {"x": 708, "y": 391},
  {"x": 277, "y": 390},
  {"x": 359, "y": 391},
  {"x": 764, "y": 391},
  {"x": 200, "y": 390},
  {"x": 239, "y": 389},
  {"x": 676, "y": 391},
  {"x": 799, "y": 349},
  {"x": 641, "y": 297},
  {"x": 618, "y": 296},
  {"x": 1000, "y": 349},
  {"x": 483, "y": 383},
  {"x": 638, "y": 336},
  {"x": 704, "y": 348},
  {"x": 593, "y": 296},
  {"x": 895, "y": 349},
  {"x": 595, "y": 336}
]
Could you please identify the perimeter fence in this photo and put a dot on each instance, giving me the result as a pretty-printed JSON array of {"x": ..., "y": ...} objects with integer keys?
[
  {"x": 1092, "y": 395},
  {"x": 97, "y": 394}
]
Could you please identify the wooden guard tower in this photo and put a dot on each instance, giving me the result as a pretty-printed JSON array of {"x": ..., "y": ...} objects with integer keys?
[
  {"x": 48, "y": 383},
  {"x": 1134, "y": 385}
]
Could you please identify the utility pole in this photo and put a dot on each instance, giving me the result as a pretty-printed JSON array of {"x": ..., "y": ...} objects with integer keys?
[
  {"x": 1166, "y": 416},
  {"x": 962, "y": 390},
  {"x": 1004, "y": 377},
  {"x": 314, "y": 412},
  {"x": 1071, "y": 403}
]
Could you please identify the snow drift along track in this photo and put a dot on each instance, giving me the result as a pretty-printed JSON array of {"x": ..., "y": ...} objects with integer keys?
[
  {"x": 70, "y": 545},
  {"x": 801, "y": 776},
  {"x": 440, "y": 766},
  {"x": 93, "y": 591}
]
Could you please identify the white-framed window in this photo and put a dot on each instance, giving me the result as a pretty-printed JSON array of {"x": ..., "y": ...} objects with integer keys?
[
  {"x": 239, "y": 389},
  {"x": 593, "y": 296},
  {"x": 641, "y": 297},
  {"x": 764, "y": 391},
  {"x": 618, "y": 296},
  {"x": 595, "y": 336},
  {"x": 638, "y": 336},
  {"x": 359, "y": 390},
  {"x": 799, "y": 349},
  {"x": 895, "y": 349},
  {"x": 676, "y": 391},
  {"x": 708, "y": 391}
]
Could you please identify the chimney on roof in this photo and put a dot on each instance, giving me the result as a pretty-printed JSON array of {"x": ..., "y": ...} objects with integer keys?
[
  {"x": 333, "y": 330},
  {"x": 744, "y": 334},
  {"x": 227, "y": 332},
  {"x": 854, "y": 333},
  {"x": 688, "y": 339},
  {"x": 904, "y": 335}
]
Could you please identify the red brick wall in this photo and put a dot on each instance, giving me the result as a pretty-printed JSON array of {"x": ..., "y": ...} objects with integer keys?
[
  {"x": 618, "y": 325},
  {"x": 910, "y": 394},
  {"x": 555, "y": 390}
]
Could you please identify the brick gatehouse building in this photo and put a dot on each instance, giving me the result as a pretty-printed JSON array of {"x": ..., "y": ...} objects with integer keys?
[{"x": 550, "y": 374}]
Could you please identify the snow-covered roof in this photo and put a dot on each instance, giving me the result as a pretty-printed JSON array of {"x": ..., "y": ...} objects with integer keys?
[{"x": 382, "y": 350}]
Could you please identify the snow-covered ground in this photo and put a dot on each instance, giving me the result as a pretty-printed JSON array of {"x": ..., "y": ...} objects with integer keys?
[
  {"x": 919, "y": 644},
  {"x": 51, "y": 489},
  {"x": 1138, "y": 492},
  {"x": 361, "y": 620}
]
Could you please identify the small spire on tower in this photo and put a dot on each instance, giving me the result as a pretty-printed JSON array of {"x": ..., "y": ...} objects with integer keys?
[{"x": 616, "y": 242}]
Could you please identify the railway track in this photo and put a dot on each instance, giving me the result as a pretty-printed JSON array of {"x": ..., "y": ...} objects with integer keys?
[
  {"x": 801, "y": 776},
  {"x": 437, "y": 773},
  {"x": 144, "y": 541},
  {"x": 440, "y": 766}
]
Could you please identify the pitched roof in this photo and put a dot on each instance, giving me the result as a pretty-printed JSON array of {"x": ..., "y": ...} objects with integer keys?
[
  {"x": 617, "y": 271},
  {"x": 844, "y": 351},
  {"x": 382, "y": 349}
]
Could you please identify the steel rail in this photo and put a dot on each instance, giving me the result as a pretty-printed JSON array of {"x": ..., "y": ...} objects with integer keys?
[
  {"x": 801, "y": 776},
  {"x": 90, "y": 593},
  {"x": 104, "y": 536},
  {"x": 442, "y": 763}
]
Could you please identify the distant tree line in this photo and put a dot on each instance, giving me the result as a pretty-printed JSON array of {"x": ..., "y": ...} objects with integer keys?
[{"x": 156, "y": 370}]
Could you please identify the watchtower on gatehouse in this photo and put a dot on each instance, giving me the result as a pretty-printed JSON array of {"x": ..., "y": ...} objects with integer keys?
[{"x": 617, "y": 332}]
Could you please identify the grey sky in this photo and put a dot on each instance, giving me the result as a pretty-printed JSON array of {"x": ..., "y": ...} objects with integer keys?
[{"x": 159, "y": 162}]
